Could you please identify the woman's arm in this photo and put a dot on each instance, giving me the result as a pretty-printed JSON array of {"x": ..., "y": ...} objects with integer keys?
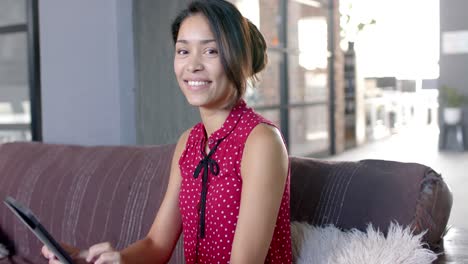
[
  {"x": 158, "y": 245},
  {"x": 162, "y": 238},
  {"x": 264, "y": 169}
]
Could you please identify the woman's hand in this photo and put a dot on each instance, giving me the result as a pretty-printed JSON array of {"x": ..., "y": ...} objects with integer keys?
[
  {"x": 75, "y": 254},
  {"x": 102, "y": 253}
]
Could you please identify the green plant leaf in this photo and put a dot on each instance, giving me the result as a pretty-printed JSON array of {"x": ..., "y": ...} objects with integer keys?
[{"x": 451, "y": 97}]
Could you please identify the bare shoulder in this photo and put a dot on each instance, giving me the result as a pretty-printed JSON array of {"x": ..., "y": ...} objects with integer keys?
[
  {"x": 180, "y": 146},
  {"x": 181, "y": 142},
  {"x": 265, "y": 137},
  {"x": 179, "y": 149},
  {"x": 264, "y": 154},
  {"x": 183, "y": 138}
]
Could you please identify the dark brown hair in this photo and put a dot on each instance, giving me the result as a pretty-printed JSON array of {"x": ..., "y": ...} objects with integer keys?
[{"x": 241, "y": 45}]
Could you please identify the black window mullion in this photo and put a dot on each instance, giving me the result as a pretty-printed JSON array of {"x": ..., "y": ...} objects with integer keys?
[
  {"x": 284, "y": 81},
  {"x": 34, "y": 70},
  {"x": 13, "y": 28}
]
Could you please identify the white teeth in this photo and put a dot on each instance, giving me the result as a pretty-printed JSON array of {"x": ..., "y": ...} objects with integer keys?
[{"x": 196, "y": 83}]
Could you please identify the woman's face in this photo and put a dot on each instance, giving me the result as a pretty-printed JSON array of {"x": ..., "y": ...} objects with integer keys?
[{"x": 197, "y": 65}]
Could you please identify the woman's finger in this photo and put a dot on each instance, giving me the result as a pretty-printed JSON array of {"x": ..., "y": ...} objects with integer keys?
[
  {"x": 98, "y": 249},
  {"x": 109, "y": 258},
  {"x": 47, "y": 253},
  {"x": 54, "y": 261}
]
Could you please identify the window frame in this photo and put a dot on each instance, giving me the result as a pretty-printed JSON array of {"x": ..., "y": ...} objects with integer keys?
[
  {"x": 31, "y": 28},
  {"x": 285, "y": 106}
]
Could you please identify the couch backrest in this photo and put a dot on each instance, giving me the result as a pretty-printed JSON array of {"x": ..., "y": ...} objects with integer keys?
[{"x": 83, "y": 195}]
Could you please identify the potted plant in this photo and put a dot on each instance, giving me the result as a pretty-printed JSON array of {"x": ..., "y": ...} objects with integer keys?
[
  {"x": 453, "y": 101},
  {"x": 352, "y": 22}
]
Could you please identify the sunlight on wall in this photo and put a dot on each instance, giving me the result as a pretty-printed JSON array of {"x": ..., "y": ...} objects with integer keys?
[
  {"x": 405, "y": 41},
  {"x": 313, "y": 43}
]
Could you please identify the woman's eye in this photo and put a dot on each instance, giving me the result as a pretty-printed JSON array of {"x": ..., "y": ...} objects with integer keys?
[
  {"x": 211, "y": 51},
  {"x": 182, "y": 52}
]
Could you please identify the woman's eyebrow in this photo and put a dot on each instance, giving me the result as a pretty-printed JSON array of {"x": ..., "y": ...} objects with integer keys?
[{"x": 204, "y": 41}]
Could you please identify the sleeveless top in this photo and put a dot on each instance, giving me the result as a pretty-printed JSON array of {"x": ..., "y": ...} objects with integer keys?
[{"x": 209, "y": 219}]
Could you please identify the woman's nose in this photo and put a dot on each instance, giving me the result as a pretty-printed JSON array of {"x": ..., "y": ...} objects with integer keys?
[{"x": 194, "y": 64}]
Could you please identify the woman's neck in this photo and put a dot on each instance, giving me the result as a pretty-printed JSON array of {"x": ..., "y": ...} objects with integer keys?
[{"x": 213, "y": 119}]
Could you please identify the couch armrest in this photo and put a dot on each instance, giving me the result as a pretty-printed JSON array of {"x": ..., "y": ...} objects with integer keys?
[{"x": 353, "y": 194}]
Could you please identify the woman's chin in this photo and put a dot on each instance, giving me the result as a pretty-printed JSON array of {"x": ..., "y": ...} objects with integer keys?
[
  {"x": 204, "y": 103},
  {"x": 195, "y": 102}
]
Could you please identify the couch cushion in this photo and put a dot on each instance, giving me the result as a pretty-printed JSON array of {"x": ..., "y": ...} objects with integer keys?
[{"x": 353, "y": 194}]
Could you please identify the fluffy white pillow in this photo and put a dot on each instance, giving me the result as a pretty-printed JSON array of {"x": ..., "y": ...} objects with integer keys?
[
  {"x": 3, "y": 252},
  {"x": 329, "y": 245}
]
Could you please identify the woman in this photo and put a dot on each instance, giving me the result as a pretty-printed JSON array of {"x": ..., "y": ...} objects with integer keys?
[{"x": 228, "y": 190}]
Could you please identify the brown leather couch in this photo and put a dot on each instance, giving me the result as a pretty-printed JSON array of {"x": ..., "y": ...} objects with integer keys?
[{"x": 85, "y": 195}]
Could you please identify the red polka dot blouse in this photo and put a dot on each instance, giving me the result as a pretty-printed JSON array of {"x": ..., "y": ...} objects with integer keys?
[{"x": 211, "y": 190}]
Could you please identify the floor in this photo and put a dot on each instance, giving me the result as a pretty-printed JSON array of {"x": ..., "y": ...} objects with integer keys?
[
  {"x": 455, "y": 247},
  {"x": 420, "y": 144}
]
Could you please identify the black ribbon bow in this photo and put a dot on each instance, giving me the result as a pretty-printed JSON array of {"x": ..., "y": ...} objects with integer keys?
[{"x": 206, "y": 163}]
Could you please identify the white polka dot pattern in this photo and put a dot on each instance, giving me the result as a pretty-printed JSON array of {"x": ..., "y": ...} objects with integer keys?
[{"x": 224, "y": 192}]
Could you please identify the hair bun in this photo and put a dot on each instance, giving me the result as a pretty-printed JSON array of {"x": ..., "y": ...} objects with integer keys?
[{"x": 259, "y": 55}]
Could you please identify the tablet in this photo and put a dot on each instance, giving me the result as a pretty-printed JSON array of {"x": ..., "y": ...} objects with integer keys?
[{"x": 28, "y": 218}]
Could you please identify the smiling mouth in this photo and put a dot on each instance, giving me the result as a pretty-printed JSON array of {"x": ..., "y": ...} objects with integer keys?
[{"x": 197, "y": 83}]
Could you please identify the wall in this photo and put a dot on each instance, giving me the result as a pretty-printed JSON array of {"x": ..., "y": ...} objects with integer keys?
[
  {"x": 162, "y": 111},
  {"x": 453, "y": 67},
  {"x": 87, "y": 72}
]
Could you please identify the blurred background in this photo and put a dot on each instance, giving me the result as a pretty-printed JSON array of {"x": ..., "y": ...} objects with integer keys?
[{"x": 346, "y": 79}]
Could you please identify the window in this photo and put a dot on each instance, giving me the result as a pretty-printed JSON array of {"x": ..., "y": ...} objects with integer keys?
[
  {"x": 17, "y": 71},
  {"x": 293, "y": 89}
]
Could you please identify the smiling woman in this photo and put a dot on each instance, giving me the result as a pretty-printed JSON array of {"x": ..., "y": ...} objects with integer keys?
[
  {"x": 198, "y": 66},
  {"x": 235, "y": 43},
  {"x": 216, "y": 52},
  {"x": 228, "y": 190}
]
